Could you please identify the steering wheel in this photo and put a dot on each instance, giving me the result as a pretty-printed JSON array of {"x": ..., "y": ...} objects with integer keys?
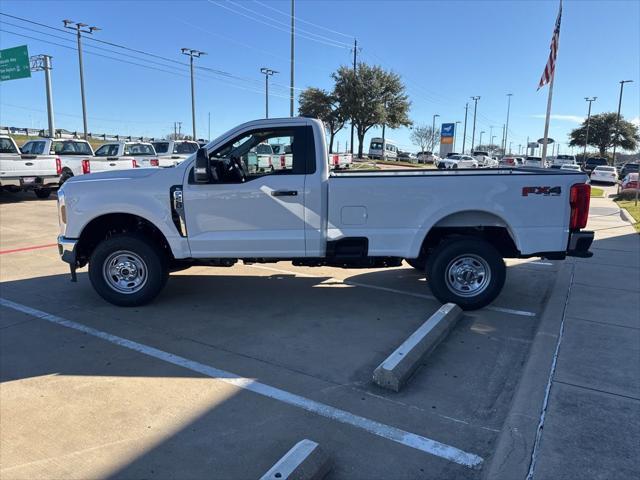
[{"x": 238, "y": 168}]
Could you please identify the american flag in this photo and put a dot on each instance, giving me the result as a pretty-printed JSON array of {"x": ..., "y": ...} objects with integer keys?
[{"x": 550, "y": 68}]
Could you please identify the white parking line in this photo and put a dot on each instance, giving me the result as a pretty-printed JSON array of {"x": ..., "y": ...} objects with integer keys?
[
  {"x": 388, "y": 432},
  {"x": 512, "y": 311}
]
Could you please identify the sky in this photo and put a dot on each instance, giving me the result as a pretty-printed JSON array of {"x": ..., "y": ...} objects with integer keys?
[{"x": 444, "y": 51}]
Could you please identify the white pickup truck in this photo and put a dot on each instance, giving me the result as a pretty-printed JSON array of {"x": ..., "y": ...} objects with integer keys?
[
  {"x": 172, "y": 152},
  {"x": 18, "y": 172},
  {"x": 123, "y": 156},
  {"x": 458, "y": 225},
  {"x": 75, "y": 155}
]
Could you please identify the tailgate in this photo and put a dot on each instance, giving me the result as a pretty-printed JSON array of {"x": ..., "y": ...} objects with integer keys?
[{"x": 31, "y": 166}]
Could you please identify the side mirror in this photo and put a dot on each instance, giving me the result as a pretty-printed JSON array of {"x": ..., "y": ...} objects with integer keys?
[{"x": 202, "y": 171}]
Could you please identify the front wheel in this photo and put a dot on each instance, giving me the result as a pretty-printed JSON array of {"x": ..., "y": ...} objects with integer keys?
[
  {"x": 469, "y": 272},
  {"x": 127, "y": 270}
]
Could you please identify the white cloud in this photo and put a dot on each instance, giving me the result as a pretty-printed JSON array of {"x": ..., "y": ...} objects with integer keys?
[
  {"x": 635, "y": 121},
  {"x": 565, "y": 118}
]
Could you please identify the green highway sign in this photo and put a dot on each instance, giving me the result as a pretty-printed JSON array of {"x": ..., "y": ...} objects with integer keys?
[{"x": 14, "y": 63}]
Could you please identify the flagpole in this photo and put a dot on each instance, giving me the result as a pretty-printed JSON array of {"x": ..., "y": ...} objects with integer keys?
[{"x": 546, "y": 122}]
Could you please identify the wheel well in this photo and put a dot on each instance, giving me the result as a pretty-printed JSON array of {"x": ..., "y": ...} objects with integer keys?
[
  {"x": 499, "y": 237},
  {"x": 111, "y": 224}
]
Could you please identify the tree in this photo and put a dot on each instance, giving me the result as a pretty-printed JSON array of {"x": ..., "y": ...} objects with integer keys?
[
  {"x": 491, "y": 148},
  {"x": 318, "y": 103},
  {"x": 602, "y": 133},
  {"x": 424, "y": 137},
  {"x": 371, "y": 97}
]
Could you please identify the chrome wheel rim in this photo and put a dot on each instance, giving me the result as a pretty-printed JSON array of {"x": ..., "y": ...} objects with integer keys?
[
  {"x": 468, "y": 275},
  {"x": 125, "y": 272}
]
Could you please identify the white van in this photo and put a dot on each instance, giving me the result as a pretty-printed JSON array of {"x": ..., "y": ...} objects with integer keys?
[{"x": 375, "y": 149}]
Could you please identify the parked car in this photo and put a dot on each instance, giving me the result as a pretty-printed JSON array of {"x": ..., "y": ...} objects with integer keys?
[
  {"x": 406, "y": 156},
  {"x": 427, "y": 157},
  {"x": 484, "y": 159},
  {"x": 75, "y": 155},
  {"x": 210, "y": 211},
  {"x": 573, "y": 167},
  {"x": 124, "y": 155},
  {"x": 560, "y": 160},
  {"x": 23, "y": 172},
  {"x": 629, "y": 182},
  {"x": 629, "y": 167},
  {"x": 458, "y": 161},
  {"x": 511, "y": 161},
  {"x": 604, "y": 174},
  {"x": 591, "y": 163},
  {"x": 172, "y": 152},
  {"x": 533, "y": 162}
]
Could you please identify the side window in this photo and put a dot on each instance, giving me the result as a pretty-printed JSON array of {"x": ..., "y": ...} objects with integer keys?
[
  {"x": 256, "y": 152},
  {"x": 102, "y": 151},
  {"x": 26, "y": 148},
  {"x": 37, "y": 148}
]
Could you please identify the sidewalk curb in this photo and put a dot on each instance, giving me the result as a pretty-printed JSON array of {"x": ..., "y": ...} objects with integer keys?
[
  {"x": 512, "y": 455},
  {"x": 626, "y": 216}
]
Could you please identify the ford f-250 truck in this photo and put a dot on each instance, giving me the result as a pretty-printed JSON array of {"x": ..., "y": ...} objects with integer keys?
[
  {"x": 40, "y": 173},
  {"x": 458, "y": 225},
  {"x": 74, "y": 154}
]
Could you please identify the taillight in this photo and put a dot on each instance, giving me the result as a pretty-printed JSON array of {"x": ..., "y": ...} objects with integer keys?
[
  {"x": 58, "y": 166},
  {"x": 579, "y": 201},
  {"x": 154, "y": 162},
  {"x": 86, "y": 166},
  {"x": 283, "y": 162},
  {"x": 336, "y": 160},
  {"x": 134, "y": 164}
]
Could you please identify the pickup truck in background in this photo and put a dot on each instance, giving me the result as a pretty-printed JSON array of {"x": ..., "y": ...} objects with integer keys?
[
  {"x": 74, "y": 154},
  {"x": 339, "y": 161},
  {"x": 457, "y": 225},
  {"x": 21, "y": 172},
  {"x": 123, "y": 156},
  {"x": 560, "y": 160},
  {"x": 172, "y": 152},
  {"x": 484, "y": 159}
]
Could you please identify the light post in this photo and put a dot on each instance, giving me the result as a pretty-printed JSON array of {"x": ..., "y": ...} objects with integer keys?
[
  {"x": 433, "y": 134},
  {"x": 475, "y": 111},
  {"x": 480, "y": 141},
  {"x": 267, "y": 73},
  {"x": 43, "y": 62},
  {"x": 191, "y": 53},
  {"x": 586, "y": 137},
  {"x": 615, "y": 138},
  {"x": 492, "y": 137},
  {"x": 79, "y": 28},
  {"x": 464, "y": 135},
  {"x": 506, "y": 130},
  {"x": 455, "y": 134}
]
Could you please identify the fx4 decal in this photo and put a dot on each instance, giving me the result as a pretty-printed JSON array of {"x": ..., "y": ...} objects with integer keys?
[{"x": 546, "y": 191}]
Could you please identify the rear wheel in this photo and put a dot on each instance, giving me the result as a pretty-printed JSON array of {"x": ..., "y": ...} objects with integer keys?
[
  {"x": 469, "y": 272},
  {"x": 127, "y": 270},
  {"x": 42, "y": 192},
  {"x": 66, "y": 175}
]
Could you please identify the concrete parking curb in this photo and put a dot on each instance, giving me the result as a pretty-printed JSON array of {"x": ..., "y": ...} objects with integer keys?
[
  {"x": 398, "y": 367},
  {"x": 517, "y": 438},
  {"x": 305, "y": 461}
]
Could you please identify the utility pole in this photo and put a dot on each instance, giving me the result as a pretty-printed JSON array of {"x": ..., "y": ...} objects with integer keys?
[
  {"x": 502, "y": 145},
  {"x": 586, "y": 138},
  {"x": 506, "y": 130},
  {"x": 43, "y": 62},
  {"x": 355, "y": 72},
  {"x": 491, "y": 140},
  {"x": 615, "y": 138},
  {"x": 79, "y": 28},
  {"x": 292, "y": 57},
  {"x": 475, "y": 111},
  {"x": 179, "y": 129},
  {"x": 464, "y": 135},
  {"x": 480, "y": 141},
  {"x": 175, "y": 131},
  {"x": 433, "y": 134},
  {"x": 209, "y": 130},
  {"x": 491, "y": 134},
  {"x": 191, "y": 53},
  {"x": 267, "y": 73},
  {"x": 455, "y": 134}
]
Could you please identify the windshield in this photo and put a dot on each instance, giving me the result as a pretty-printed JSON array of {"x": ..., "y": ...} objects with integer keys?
[
  {"x": 263, "y": 149},
  {"x": 71, "y": 147},
  {"x": 455, "y": 157},
  {"x": 7, "y": 146},
  {"x": 141, "y": 149},
  {"x": 597, "y": 161},
  {"x": 161, "y": 147},
  {"x": 185, "y": 147},
  {"x": 605, "y": 169},
  {"x": 376, "y": 146}
]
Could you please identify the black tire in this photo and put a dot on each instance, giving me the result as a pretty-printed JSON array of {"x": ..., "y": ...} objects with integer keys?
[
  {"x": 466, "y": 255},
  {"x": 42, "y": 193},
  {"x": 151, "y": 260},
  {"x": 66, "y": 175},
  {"x": 419, "y": 263}
]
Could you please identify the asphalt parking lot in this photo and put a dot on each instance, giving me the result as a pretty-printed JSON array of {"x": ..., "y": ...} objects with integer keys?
[{"x": 230, "y": 367}]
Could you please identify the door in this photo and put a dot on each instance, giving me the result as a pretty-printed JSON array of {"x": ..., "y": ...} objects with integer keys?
[{"x": 262, "y": 216}]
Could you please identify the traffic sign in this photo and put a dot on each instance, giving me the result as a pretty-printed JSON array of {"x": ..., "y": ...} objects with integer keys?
[
  {"x": 14, "y": 63},
  {"x": 447, "y": 130}
]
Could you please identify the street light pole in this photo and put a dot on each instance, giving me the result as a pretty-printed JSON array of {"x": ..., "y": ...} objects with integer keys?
[
  {"x": 291, "y": 95},
  {"x": 480, "y": 141},
  {"x": 506, "y": 130},
  {"x": 267, "y": 73},
  {"x": 615, "y": 138},
  {"x": 191, "y": 53},
  {"x": 475, "y": 111},
  {"x": 43, "y": 62},
  {"x": 455, "y": 134},
  {"x": 79, "y": 28},
  {"x": 586, "y": 138},
  {"x": 464, "y": 135},
  {"x": 433, "y": 134}
]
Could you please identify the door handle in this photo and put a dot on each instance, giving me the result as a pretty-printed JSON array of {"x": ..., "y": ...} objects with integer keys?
[
  {"x": 29, "y": 164},
  {"x": 285, "y": 193}
]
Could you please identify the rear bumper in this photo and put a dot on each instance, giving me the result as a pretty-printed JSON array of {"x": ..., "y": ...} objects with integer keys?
[
  {"x": 579, "y": 243},
  {"x": 40, "y": 182}
]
